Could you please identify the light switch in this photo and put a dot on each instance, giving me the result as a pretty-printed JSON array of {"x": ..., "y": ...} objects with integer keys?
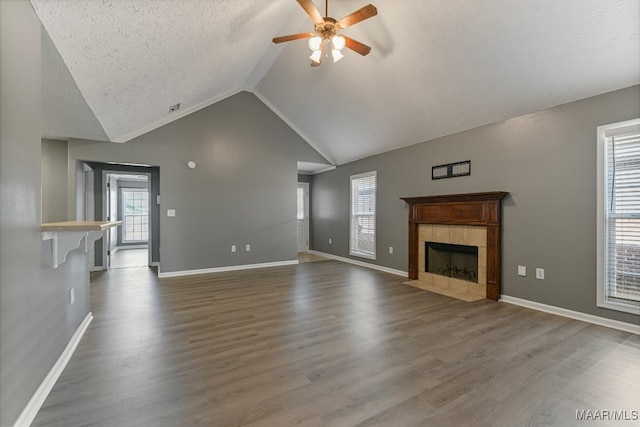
[
  {"x": 522, "y": 270},
  {"x": 171, "y": 212}
]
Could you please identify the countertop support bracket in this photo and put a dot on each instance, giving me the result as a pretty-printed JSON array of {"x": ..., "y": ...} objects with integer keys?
[{"x": 67, "y": 236}]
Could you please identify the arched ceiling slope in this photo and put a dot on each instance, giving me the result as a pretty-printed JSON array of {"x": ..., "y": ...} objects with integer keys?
[{"x": 436, "y": 67}]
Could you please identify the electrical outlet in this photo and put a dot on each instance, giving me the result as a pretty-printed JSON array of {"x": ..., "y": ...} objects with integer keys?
[
  {"x": 171, "y": 212},
  {"x": 233, "y": 248},
  {"x": 540, "y": 273},
  {"x": 390, "y": 249},
  {"x": 72, "y": 296},
  {"x": 247, "y": 248},
  {"x": 330, "y": 241},
  {"x": 522, "y": 270}
]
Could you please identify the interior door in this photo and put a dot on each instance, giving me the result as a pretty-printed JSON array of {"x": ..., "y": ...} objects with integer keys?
[
  {"x": 110, "y": 236},
  {"x": 113, "y": 212},
  {"x": 303, "y": 217},
  {"x": 89, "y": 213}
]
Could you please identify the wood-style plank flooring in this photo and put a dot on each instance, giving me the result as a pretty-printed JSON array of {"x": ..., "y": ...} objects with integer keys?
[
  {"x": 331, "y": 344},
  {"x": 125, "y": 258}
]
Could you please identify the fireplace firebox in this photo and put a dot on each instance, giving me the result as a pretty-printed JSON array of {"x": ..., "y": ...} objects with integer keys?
[{"x": 449, "y": 260}]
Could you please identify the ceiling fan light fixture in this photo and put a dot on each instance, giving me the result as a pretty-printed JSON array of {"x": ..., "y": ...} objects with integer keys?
[
  {"x": 337, "y": 55},
  {"x": 315, "y": 56},
  {"x": 315, "y": 42},
  {"x": 338, "y": 42}
]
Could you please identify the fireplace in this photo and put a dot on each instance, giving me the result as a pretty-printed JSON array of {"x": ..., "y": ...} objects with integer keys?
[{"x": 460, "y": 220}]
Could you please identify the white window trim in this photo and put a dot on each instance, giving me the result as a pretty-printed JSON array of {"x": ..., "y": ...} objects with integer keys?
[
  {"x": 352, "y": 251},
  {"x": 603, "y": 301},
  {"x": 138, "y": 190}
]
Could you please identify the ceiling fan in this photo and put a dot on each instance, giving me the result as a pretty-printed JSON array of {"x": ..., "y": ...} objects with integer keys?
[{"x": 326, "y": 35}]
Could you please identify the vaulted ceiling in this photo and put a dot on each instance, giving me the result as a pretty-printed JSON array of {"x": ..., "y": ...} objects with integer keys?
[{"x": 437, "y": 67}]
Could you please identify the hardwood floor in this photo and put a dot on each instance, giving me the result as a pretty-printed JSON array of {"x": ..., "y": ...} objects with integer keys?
[
  {"x": 125, "y": 258},
  {"x": 310, "y": 257},
  {"x": 331, "y": 344}
]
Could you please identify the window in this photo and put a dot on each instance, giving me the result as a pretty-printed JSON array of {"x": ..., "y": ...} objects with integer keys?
[
  {"x": 135, "y": 208},
  {"x": 363, "y": 215},
  {"x": 619, "y": 216},
  {"x": 300, "y": 215}
]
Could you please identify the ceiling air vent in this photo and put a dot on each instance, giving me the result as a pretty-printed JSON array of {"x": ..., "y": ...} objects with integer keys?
[{"x": 174, "y": 108}]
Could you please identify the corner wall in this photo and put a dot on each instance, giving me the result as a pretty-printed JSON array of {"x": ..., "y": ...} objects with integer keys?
[
  {"x": 36, "y": 321},
  {"x": 546, "y": 160},
  {"x": 54, "y": 180}
]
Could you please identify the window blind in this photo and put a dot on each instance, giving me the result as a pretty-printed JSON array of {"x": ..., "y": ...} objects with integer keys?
[
  {"x": 622, "y": 221},
  {"x": 363, "y": 215}
]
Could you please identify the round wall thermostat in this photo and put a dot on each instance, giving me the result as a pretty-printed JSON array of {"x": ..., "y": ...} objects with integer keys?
[{"x": 191, "y": 164}]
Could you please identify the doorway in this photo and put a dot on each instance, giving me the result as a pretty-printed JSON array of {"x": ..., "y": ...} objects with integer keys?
[
  {"x": 303, "y": 217},
  {"x": 127, "y": 199}
]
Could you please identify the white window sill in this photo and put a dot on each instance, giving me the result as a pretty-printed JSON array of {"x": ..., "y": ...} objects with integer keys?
[
  {"x": 363, "y": 255},
  {"x": 620, "y": 306}
]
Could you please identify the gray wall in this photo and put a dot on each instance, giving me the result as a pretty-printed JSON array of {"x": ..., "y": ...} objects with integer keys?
[
  {"x": 305, "y": 178},
  {"x": 36, "y": 323},
  {"x": 241, "y": 192},
  {"x": 546, "y": 160},
  {"x": 54, "y": 180}
]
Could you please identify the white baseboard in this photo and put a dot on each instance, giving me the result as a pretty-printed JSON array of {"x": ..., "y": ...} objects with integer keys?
[
  {"x": 362, "y": 264},
  {"x": 589, "y": 318},
  {"x": 31, "y": 410},
  {"x": 154, "y": 264},
  {"x": 97, "y": 268},
  {"x": 223, "y": 269}
]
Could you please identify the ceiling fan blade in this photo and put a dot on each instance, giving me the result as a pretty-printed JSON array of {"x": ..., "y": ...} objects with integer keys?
[
  {"x": 291, "y": 37},
  {"x": 312, "y": 11},
  {"x": 361, "y": 14},
  {"x": 356, "y": 46}
]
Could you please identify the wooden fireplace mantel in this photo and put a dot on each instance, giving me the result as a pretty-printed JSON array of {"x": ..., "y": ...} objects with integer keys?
[{"x": 479, "y": 209}]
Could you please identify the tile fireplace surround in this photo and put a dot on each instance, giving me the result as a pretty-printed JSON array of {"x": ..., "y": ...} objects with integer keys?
[
  {"x": 456, "y": 235},
  {"x": 473, "y": 219}
]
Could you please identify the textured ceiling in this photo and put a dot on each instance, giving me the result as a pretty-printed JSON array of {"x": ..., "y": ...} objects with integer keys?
[
  {"x": 64, "y": 109},
  {"x": 436, "y": 67}
]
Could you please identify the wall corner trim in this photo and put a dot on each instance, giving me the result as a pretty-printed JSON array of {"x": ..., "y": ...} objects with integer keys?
[
  {"x": 223, "y": 269},
  {"x": 363, "y": 264},
  {"x": 589, "y": 318},
  {"x": 31, "y": 410}
]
